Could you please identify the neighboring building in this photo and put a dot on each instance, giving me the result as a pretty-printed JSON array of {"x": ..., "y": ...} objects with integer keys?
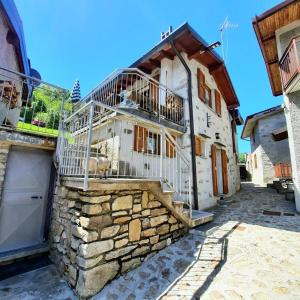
[
  {"x": 270, "y": 154},
  {"x": 25, "y": 149},
  {"x": 277, "y": 31}
]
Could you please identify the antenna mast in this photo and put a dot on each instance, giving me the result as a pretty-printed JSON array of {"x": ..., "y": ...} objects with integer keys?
[{"x": 223, "y": 28}]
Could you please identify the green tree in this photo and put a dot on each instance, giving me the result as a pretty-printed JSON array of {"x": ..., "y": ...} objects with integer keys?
[{"x": 242, "y": 158}]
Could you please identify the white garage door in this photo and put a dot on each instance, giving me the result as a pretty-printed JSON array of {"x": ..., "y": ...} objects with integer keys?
[{"x": 23, "y": 206}]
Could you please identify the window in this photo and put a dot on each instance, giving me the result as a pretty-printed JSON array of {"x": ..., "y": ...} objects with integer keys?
[
  {"x": 198, "y": 146},
  {"x": 170, "y": 148},
  {"x": 218, "y": 103},
  {"x": 204, "y": 91},
  {"x": 145, "y": 141},
  {"x": 255, "y": 161}
]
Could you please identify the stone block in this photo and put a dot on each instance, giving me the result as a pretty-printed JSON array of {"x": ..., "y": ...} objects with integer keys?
[
  {"x": 163, "y": 229},
  {"x": 145, "y": 200},
  {"x": 99, "y": 222},
  {"x": 95, "y": 199},
  {"x": 149, "y": 232},
  {"x": 172, "y": 220},
  {"x": 91, "y": 209},
  {"x": 174, "y": 227},
  {"x": 120, "y": 213},
  {"x": 86, "y": 236},
  {"x": 154, "y": 204},
  {"x": 158, "y": 211},
  {"x": 137, "y": 208},
  {"x": 120, "y": 252},
  {"x": 154, "y": 239},
  {"x": 146, "y": 223},
  {"x": 130, "y": 264},
  {"x": 110, "y": 231},
  {"x": 146, "y": 212},
  {"x": 140, "y": 251},
  {"x": 158, "y": 220},
  {"x": 121, "y": 203},
  {"x": 143, "y": 242},
  {"x": 124, "y": 228},
  {"x": 95, "y": 248},
  {"x": 88, "y": 263},
  {"x": 135, "y": 229},
  {"x": 72, "y": 273},
  {"x": 73, "y": 195},
  {"x": 121, "y": 220},
  {"x": 92, "y": 281},
  {"x": 121, "y": 243},
  {"x": 159, "y": 246}
]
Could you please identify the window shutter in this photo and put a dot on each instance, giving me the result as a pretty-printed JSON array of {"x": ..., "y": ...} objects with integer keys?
[
  {"x": 255, "y": 161},
  {"x": 209, "y": 96},
  {"x": 214, "y": 170},
  {"x": 140, "y": 139},
  {"x": 170, "y": 148},
  {"x": 201, "y": 85},
  {"x": 198, "y": 146},
  {"x": 224, "y": 171},
  {"x": 218, "y": 103}
]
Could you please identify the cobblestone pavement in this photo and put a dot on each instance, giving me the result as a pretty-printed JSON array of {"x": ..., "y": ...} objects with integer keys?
[{"x": 242, "y": 254}]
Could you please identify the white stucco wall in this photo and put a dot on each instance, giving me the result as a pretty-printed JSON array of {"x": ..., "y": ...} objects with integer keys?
[{"x": 268, "y": 151}]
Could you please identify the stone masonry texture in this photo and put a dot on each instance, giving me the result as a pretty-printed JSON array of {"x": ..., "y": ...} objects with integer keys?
[{"x": 98, "y": 235}]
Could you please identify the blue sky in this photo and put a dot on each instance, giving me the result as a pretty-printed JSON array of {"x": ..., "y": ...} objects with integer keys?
[{"x": 88, "y": 39}]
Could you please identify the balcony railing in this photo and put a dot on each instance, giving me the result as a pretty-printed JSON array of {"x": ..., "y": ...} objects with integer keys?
[
  {"x": 98, "y": 142},
  {"x": 283, "y": 170},
  {"x": 132, "y": 89},
  {"x": 289, "y": 63},
  {"x": 31, "y": 105}
]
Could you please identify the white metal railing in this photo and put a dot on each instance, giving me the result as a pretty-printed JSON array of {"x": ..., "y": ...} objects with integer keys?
[
  {"x": 98, "y": 142},
  {"x": 133, "y": 89},
  {"x": 31, "y": 105}
]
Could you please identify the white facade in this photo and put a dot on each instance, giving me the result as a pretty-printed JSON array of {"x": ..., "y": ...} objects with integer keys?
[{"x": 292, "y": 107}]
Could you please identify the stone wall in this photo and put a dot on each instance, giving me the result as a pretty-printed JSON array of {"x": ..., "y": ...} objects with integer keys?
[
  {"x": 292, "y": 113},
  {"x": 100, "y": 234}
]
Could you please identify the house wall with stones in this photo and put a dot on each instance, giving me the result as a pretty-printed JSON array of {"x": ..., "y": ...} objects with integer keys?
[
  {"x": 101, "y": 233},
  {"x": 292, "y": 113},
  {"x": 173, "y": 75},
  {"x": 268, "y": 152}
]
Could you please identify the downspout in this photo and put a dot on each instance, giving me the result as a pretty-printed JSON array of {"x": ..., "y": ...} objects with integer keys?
[{"x": 192, "y": 130}]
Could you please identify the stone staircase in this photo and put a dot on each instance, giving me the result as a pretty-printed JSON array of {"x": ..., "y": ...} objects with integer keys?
[{"x": 180, "y": 210}]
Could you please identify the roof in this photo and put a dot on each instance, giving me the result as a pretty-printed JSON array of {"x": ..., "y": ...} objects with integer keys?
[
  {"x": 14, "y": 21},
  {"x": 265, "y": 26},
  {"x": 186, "y": 39},
  {"x": 252, "y": 119}
]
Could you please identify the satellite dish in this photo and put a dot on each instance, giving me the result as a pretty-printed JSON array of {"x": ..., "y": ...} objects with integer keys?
[{"x": 34, "y": 73}]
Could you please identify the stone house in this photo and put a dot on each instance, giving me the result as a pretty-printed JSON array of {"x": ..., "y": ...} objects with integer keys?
[
  {"x": 143, "y": 152},
  {"x": 277, "y": 31},
  {"x": 270, "y": 153},
  {"x": 136, "y": 159}
]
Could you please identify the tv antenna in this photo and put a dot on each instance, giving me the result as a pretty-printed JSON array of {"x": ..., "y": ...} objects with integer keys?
[{"x": 223, "y": 28}]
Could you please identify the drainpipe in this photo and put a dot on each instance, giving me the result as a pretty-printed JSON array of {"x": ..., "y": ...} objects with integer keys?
[{"x": 192, "y": 133}]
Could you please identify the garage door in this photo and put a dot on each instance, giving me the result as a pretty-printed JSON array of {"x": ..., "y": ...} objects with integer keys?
[{"x": 23, "y": 206}]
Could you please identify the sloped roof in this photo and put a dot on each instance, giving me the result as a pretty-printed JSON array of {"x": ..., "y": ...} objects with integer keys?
[
  {"x": 186, "y": 39},
  {"x": 265, "y": 26},
  {"x": 252, "y": 119}
]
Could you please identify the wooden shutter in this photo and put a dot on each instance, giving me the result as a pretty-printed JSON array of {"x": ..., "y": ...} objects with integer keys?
[
  {"x": 218, "y": 103},
  {"x": 255, "y": 161},
  {"x": 208, "y": 90},
  {"x": 140, "y": 139},
  {"x": 201, "y": 85},
  {"x": 214, "y": 170},
  {"x": 224, "y": 171},
  {"x": 170, "y": 148},
  {"x": 198, "y": 146}
]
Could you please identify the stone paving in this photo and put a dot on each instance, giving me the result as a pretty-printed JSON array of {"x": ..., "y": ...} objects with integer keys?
[{"x": 242, "y": 254}]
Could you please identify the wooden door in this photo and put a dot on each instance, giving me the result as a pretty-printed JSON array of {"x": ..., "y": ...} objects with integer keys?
[
  {"x": 224, "y": 171},
  {"x": 214, "y": 170}
]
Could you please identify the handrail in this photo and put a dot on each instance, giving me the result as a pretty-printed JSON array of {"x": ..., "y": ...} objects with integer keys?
[{"x": 287, "y": 48}]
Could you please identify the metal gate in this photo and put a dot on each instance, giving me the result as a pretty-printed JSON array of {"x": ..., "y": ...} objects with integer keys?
[{"x": 23, "y": 206}]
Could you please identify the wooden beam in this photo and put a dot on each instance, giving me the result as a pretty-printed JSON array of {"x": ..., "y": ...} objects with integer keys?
[
  {"x": 145, "y": 70},
  {"x": 215, "y": 68},
  {"x": 154, "y": 62},
  {"x": 167, "y": 54},
  {"x": 195, "y": 53}
]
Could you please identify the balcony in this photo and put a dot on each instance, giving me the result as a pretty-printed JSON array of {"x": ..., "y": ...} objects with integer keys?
[
  {"x": 30, "y": 105},
  {"x": 137, "y": 93},
  {"x": 290, "y": 67}
]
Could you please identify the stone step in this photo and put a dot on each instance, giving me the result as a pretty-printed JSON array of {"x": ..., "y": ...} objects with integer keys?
[{"x": 198, "y": 217}]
